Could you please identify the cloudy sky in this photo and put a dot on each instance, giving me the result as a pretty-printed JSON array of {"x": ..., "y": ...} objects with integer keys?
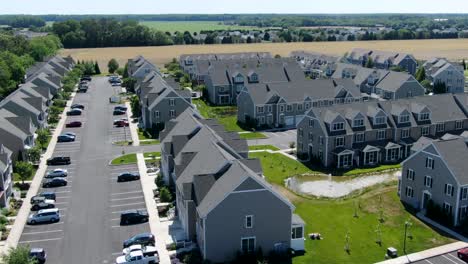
[{"x": 236, "y": 6}]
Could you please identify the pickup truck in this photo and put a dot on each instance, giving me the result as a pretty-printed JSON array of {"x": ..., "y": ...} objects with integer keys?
[{"x": 138, "y": 257}]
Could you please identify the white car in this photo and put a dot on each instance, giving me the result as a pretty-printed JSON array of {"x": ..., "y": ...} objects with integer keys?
[
  {"x": 137, "y": 257},
  {"x": 57, "y": 173},
  {"x": 145, "y": 249}
]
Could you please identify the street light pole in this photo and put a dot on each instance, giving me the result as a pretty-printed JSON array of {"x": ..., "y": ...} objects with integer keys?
[{"x": 407, "y": 225}]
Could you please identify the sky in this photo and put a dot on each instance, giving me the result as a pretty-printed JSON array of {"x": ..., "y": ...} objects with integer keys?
[{"x": 223, "y": 6}]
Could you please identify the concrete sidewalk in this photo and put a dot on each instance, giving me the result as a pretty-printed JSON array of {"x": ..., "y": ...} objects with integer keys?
[
  {"x": 23, "y": 213},
  {"x": 161, "y": 231},
  {"x": 132, "y": 126},
  {"x": 426, "y": 253}
]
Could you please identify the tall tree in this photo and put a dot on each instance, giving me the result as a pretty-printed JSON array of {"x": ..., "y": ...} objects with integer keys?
[
  {"x": 24, "y": 170},
  {"x": 113, "y": 65},
  {"x": 18, "y": 255},
  {"x": 369, "y": 63},
  {"x": 440, "y": 87},
  {"x": 421, "y": 74},
  {"x": 97, "y": 70},
  {"x": 464, "y": 64}
]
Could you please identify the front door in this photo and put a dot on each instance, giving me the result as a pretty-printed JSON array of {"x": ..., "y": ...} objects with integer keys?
[{"x": 425, "y": 200}]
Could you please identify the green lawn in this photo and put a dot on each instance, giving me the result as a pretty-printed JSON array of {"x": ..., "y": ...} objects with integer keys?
[
  {"x": 123, "y": 143},
  {"x": 125, "y": 159},
  {"x": 150, "y": 142},
  {"x": 143, "y": 134},
  {"x": 466, "y": 73},
  {"x": 333, "y": 218},
  {"x": 151, "y": 154},
  {"x": 262, "y": 147},
  {"x": 191, "y": 26},
  {"x": 252, "y": 135},
  {"x": 360, "y": 171},
  {"x": 226, "y": 115}
]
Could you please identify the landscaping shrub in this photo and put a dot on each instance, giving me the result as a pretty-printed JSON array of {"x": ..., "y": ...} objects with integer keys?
[{"x": 165, "y": 195}]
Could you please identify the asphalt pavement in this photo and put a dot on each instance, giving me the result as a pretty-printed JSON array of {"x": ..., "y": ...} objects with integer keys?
[
  {"x": 89, "y": 230},
  {"x": 448, "y": 258}
]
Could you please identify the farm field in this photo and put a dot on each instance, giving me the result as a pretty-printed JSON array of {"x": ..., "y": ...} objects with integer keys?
[
  {"x": 191, "y": 26},
  {"x": 453, "y": 49}
]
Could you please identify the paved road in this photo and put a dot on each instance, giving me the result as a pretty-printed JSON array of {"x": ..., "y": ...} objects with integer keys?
[
  {"x": 448, "y": 258},
  {"x": 278, "y": 139},
  {"x": 89, "y": 230}
]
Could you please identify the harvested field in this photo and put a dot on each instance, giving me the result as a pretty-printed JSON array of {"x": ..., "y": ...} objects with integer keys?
[{"x": 453, "y": 49}]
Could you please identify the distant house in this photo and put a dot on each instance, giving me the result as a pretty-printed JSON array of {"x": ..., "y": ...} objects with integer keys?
[
  {"x": 160, "y": 102},
  {"x": 285, "y": 104},
  {"x": 314, "y": 64},
  {"x": 437, "y": 173},
  {"x": 383, "y": 59},
  {"x": 29, "y": 34},
  {"x": 443, "y": 71},
  {"x": 139, "y": 67},
  {"x": 375, "y": 132},
  {"x": 6, "y": 174},
  {"x": 220, "y": 191},
  {"x": 385, "y": 84}
]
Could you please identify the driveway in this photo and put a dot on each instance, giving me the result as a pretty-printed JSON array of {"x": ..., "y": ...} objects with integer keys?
[
  {"x": 89, "y": 230},
  {"x": 278, "y": 139}
]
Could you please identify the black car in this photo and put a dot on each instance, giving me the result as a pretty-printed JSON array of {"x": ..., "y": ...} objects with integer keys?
[
  {"x": 144, "y": 239},
  {"x": 38, "y": 254},
  {"x": 128, "y": 176},
  {"x": 133, "y": 217},
  {"x": 119, "y": 112},
  {"x": 65, "y": 138},
  {"x": 74, "y": 112},
  {"x": 59, "y": 161},
  {"x": 77, "y": 106},
  {"x": 120, "y": 107},
  {"x": 86, "y": 78},
  {"x": 42, "y": 196},
  {"x": 42, "y": 205},
  {"x": 55, "y": 182}
]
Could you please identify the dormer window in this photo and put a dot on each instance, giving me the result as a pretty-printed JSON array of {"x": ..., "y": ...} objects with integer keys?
[
  {"x": 358, "y": 122},
  {"x": 424, "y": 116},
  {"x": 253, "y": 77},
  {"x": 239, "y": 79},
  {"x": 404, "y": 119},
  {"x": 338, "y": 126},
  {"x": 188, "y": 62},
  {"x": 380, "y": 120}
]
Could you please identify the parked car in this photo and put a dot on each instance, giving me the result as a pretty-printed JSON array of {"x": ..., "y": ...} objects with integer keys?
[
  {"x": 86, "y": 78},
  {"x": 119, "y": 112},
  {"x": 120, "y": 120},
  {"x": 133, "y": 217},
  {"x": 116, "y": 83},
  {"x": 463, "y": 254},
  {"x": 57, "y": 173},
  {"x": 74, "y": 124},
  {"x": 121, "y": 123},
  {"x": 38, "y": 254},
  {"x": 59, "y": 161},
  {"x": 71, "y": 134},
  {"x": 137, "y": 257},
  {"x": 42, "y": 196},
  {"x": 54, "y": 182},
  {"x": 44, "y": 216},
  {"x": 74, "y": 112},
  {"x": 144, "y": 239},
  {"x": 44, "y": 204},
  {"x": 82, "y": 89},
  {"x": 77, "y": 106},
  {"x": 120, "y": 107},
  {"x": 147, "y": 250},
  {"x": 128, "y": 176},
  {"x": 65, "y": 138}
]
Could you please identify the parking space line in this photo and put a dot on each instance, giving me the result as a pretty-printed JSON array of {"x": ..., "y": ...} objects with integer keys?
[
  {"x": 428, "y": 261},
  {"x": 61, "y": 203},
  {"x": 39, "y": 240},
  {"x": 62, "y": 192},
  {"x": 119, "y": 205},
  {"x": 117, "y": 253},
  {"x": 42, "y": 232},
  {"x": 451, "y": 260},
  {"x": 115, "y": 219},
  {"x": 126, "y": 192},
  {"x": 128, "y": 198}
]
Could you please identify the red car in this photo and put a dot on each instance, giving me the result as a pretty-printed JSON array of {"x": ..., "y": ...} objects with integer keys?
[
  {"x": 121, "y": 123},
  {"x": 74, "y": 124},
  {"x": 463, "y": 254}
]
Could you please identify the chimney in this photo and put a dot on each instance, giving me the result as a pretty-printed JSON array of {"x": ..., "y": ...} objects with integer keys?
[{"x": 268, "y": 88}]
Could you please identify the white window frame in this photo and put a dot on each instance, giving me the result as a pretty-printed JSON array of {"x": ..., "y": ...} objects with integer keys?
[
  {"x": 289, "y": 108},
  {"x": 359, "y": 137},
  {"x": 260, "y": 109},
  {"x": 311, "y": 122},
  {"x": 404, "y": 119},
  {"x": 429, "y": 163},
  {"x": 381, "y": 134},
  {"x": 157, "y": 114},
  {"x": 425, "y": 130},
  {"x": 248, "y": 238},
  {"x": 440, "y": 127},
  {"x": 409, "y": 192},
  {"x": 358, "y": 122},
  {"x": 270, "y": 108},
  {"x": 246, "y": 225},
  {"x": 405, "y": 133},
  {"x": 410, "y": 175},
  {"x": 299, "y": 107},
  {"x": 281, "y": 108},
  {"x": 172, "y": 113},
  {"x": 380, "y": 120},
  {"x": 447, "y": 207},
  {"x": 424, "y": 116},
  {"x": 449, "y": 189},
  {"x": 307, "y": 106},
  {"x": 459, "y": 124},
  {"x": 341, "y": 140},
  {"x": 464, "y": 193},
  {"x": 171, "y": 102},
  {"x": 338, "y": 126},
  {"x": 428, "y": 181},
  {"x": 294, "y": 232}
]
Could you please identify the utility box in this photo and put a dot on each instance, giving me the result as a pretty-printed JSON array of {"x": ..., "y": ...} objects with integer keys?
[{"x": 391, "y": 253}]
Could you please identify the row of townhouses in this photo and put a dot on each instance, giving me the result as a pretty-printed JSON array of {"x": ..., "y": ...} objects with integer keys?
[
  {"x": 23, "y": 112},
  {"x": 314, "y": 64},
  {"x": 448, "y": 73},
  {"x": 160, "y": 99},
  {"x": 436, "y": 172},
  {"x": 219, "y": 190},
  {"x": 382, "y": 59},
  {"x": 374, "y": 132}
]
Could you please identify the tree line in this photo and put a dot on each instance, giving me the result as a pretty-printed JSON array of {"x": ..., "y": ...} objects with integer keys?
[
  {"x": 17, "y": 54},
  {"x": 94, "y": 33},
  {"x": 22, "y": 21}
]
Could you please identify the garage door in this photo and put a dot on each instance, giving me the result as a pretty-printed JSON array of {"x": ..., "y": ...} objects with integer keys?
[{"x": 289, "y": 120}]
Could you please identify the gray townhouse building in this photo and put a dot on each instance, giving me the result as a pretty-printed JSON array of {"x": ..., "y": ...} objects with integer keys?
[
  {"x": 375, "y": 132},
  {"x": 139, "y": 67},
  {"x": 6, "y": 173},
  {"x": 160, "y": 102},
  {"x": 314, "y": 64},
  {"x": 285, "y": 104},
  {"x": 437, "y": 172},
  {"x": 449, "y": 73},
  {"x": 16, "y": 134},
  {"x": 221, "y": 191},
  {"x": 383, "y": 59},
  {"x": 384, "y": 84},
  {"x": 224, "y": 81}
]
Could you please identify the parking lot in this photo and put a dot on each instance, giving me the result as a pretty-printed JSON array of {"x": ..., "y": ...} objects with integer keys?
[
  {"x": 448, "y": 258},
  {"x": 89, "y": 230}
]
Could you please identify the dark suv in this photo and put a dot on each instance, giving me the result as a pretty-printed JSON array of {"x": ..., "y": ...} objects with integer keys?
[
  {"x": 43, "y": 195},
  {"x": 144, "y": 239},
  {"x": 38, "y": 254},
  {"x": 59, "y": 161},
  {"x": 128, "y": 176},
  {"x": 133, "y": 217}
]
